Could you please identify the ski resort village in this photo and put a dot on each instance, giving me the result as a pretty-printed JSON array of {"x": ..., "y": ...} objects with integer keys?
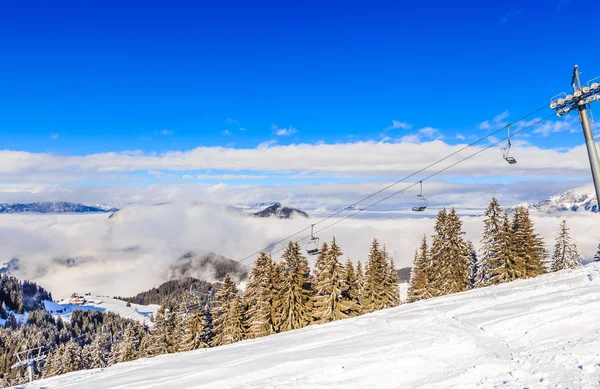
[{"x": 299, "y": 195}]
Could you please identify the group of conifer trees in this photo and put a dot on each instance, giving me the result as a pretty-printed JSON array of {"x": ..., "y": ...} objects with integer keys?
[
  {"x": 279, "y": 296},
  {"x": 510, "y": 249},
  {"x": 282, "y": 296}
]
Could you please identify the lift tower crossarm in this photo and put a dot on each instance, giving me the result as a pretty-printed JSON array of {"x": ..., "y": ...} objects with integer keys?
[{"x": 581, "y": 97}]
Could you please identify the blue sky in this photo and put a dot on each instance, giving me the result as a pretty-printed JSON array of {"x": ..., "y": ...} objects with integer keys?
[
  {"x": 147, "y": 76},
  {"x": 151, "y": 82}
]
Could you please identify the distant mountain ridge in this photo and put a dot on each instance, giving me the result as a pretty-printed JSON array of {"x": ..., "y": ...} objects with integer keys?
[
  {"x": 574, "y": 200},
  {"x": 52, "y": 207},
  {"x": 280, "y": 211}
]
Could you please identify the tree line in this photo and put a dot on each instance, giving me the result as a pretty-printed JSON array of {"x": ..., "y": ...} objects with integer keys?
[
  {"x": 279, "y": 296},
  {"x": 510, "y": 250}
]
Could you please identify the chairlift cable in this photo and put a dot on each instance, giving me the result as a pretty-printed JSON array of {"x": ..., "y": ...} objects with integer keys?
[
  {"x": 413, "y": 184},
  {"x": 272, "y": 245}
]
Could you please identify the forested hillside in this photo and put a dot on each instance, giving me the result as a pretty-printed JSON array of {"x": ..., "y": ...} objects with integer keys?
[
  {"x": 171, "y": 291},
  {"x": 20, "y": 296}
]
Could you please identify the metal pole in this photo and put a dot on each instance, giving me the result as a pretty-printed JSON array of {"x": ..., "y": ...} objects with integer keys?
[
  {"x": 591, "y": 148},
  {"x": 30, "y": 370}
]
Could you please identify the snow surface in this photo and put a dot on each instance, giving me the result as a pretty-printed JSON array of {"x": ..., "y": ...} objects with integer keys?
[
  {"x": 100, "y": 303},
  {"x": 539, "y": 333}
]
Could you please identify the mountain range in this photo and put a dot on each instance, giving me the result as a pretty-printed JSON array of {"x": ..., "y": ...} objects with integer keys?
[
  {"x": 52, "y": 207},
  {"x": 574, "y": 200}
]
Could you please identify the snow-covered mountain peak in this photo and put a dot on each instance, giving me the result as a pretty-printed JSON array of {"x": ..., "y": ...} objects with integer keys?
[{"x": 575, "y": 200}]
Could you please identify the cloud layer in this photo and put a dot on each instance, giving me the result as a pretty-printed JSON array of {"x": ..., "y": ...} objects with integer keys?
[{"x": 130, "y": 252}]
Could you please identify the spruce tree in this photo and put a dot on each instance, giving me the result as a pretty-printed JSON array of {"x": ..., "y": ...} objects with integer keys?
[
  {"x": 329, "y": 304},
  {"x": 527, "y": 245},
  {"x": 421, "y": 276},
  {"x": 352, "y": 287},
  {"x": 392, "y": 285},
  {"x": 490, "y": 241},
  {"x": 223, "y": 297},
  {"x": 505, "y": 266},
  {"x": 295, "y": 293},
  {"x": 71, "y": 358},
  {"x": 373, "y": 294},
  {"x": 262, "y": 297},
  {"x": 234, "y": 328},
  {"x": 566, "y": 253},
  {"x": 437, "y": 254},
  {"x": 360, "y": 276},
  {"x": 453, "y": 271},
  {"x": 597, "y": 256},
  {"x": 474, "y": 265},
  {"x": 98, "y": 355}
]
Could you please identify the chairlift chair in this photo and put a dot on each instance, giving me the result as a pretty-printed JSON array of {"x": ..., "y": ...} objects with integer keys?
[
  {"x": 312, "y": 247},
  {"x": 506, "y": 150},
  {"x": 422, "y": 200}
]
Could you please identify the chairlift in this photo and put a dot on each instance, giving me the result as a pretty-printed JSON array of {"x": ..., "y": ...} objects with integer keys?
[
  {"x": 312, "y": 247},
  {"x": 422, "y": 200},
  {"x": 506, "y": 150}
]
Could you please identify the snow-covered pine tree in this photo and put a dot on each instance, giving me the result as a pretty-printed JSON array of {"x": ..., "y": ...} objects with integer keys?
[
  {"x": 527, "y": 246},
  {"x": 373, "y": 294},
  {"x": 71, "y": 358},
  {"x": 295, "y": 292},
  {"x": 157, "y": 342},
  {"x": 422, "y": 274},
  {"x": 505, "y": 266},
  {"x": 97, "y": 355},
  {"x": 234, "y": 326},
  {"x": 597, "y": 256},
  {"x": 352, "y": 287},
  {"x": 127, "y": 350},
  {"x": 474, "y": 265},
  {"x": 195, "y": 332},
  {"x": 566, "y": 253},
  {"x": 262, "y": 297},
  {"x": 454, "y": 266},
  {"x": 181, "y": 323},
  {"x": 54, "y": 365},
  {"x": 329, "y": 304},
  {"x": 223, "y": 297},
  {"x": 321, "y": 261},
  {"x": 488, "y": 251},
  {"x": 360, "y": 276},
  {"x": 392, "y": 285},
  {"x": 437, "y": 255}
]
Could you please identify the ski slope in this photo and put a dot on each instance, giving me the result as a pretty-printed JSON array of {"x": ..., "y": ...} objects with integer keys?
[
  {"x": 141, "y": 313},
  {"x": 539, "y": 333}
]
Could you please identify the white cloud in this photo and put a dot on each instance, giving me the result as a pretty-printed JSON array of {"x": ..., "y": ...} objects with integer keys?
[
  {"x": 242, "y": 129},
  {"x": 499, "y": 118},
  {"x": 230, "y": 121},
  {"x": 376, "y": 159},
  {"x": 497, "y": 121},
  {"x": 130, "y": 252},
  {"x": 414, "y": 138},
  {"x": 569, "y": 123},
  {"x": 225, "y": 132},
  {"x": 166, "y": 132},
  {"x": 231, "y": 177},
  {"x": 431, "y": 133},
  {"x": 460, "y": 137},
  {"x": 267, "y": 144},
  {"x": 54, "y": 136},
  {"x": 283, "y": 131},
  {"x": 397, "y": 124}
]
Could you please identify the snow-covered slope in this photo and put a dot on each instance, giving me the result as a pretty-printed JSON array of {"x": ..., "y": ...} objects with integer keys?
[
  {"x": 539, "y": 333},
  {"x": 99, "y": 303},
  {"x": 576, "y": 200}
]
